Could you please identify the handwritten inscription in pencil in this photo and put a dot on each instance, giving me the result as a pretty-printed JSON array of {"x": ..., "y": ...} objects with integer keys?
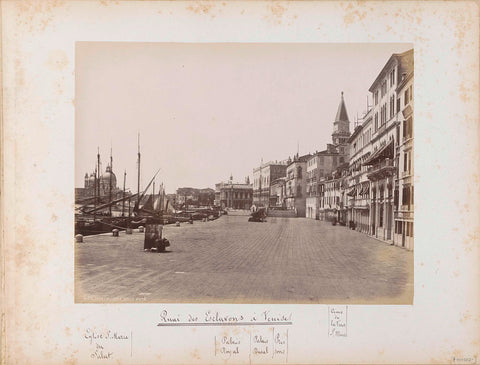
[
  {"x": 259, "y": 345},
  {"x": 228, "y": 346},
  {"x": 103, "y": 341},
  {"x": 337, "y": 321}
]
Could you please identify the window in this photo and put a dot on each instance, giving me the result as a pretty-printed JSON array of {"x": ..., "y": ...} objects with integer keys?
[
  {"x": 376, "y": 121},
  {"x": 384, "y": 88},
  {"x": 367, "y": 137},
  {"x": 409, "y": 162},
  {"x": 406, "y": 98},
  {"x": 405, "y": 161},
  {"x": 375, "y": 97},
  {"x": 392, "y": 106},
  {"x": 406, "y": 195},
  {"x": 383, "y": 114},
  {"x": 392, "y": 77},
  {"x": 407, "y": 128},
  {"x": 380, "y": 223}
]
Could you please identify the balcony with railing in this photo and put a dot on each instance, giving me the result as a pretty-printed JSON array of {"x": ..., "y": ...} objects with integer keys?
[
  {"x": 381, "y": 169},
  {"x": 405, "y": 173}
]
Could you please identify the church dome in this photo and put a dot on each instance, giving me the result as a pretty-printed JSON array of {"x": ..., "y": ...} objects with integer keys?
[{"x": 105, "y": 178}]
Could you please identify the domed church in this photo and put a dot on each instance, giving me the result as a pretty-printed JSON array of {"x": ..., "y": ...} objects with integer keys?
[{"x": 107, "y": 179}]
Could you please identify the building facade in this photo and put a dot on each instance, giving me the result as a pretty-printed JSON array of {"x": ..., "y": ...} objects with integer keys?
[
  {"x": 383, "y": 162},
  {"x": 296, "y": 185},
  {"x": 321, "y": 164},
  {"x": 359, "y": 184},
  {"x": 263, "y": 177},
  {"x": 233, "y": 195},
  {"x": 380, "y": 184},
  {"x": 403, "y": 195},
  {"x": 278, "y": 193}
]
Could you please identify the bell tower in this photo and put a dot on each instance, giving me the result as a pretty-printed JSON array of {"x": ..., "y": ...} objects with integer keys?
[
  {"x": 341, "y": 132},
  {"x": 341, "y": 125}
]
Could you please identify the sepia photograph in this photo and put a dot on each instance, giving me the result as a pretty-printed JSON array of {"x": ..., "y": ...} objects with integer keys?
[
  {"x": 244, "y": 173},
  {"x": 239, "y": 182}
]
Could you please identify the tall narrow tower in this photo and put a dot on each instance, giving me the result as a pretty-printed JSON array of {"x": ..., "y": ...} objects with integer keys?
[{"x": 341, "y": 125}]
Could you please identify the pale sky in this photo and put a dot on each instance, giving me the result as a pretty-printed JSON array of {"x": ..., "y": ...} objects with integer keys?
[{"x": 208, "y": 110}]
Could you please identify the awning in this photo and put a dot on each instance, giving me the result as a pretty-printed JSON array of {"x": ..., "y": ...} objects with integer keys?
[
  {"x": 352, "y": 192},
  {"x": 382, "y": 153},
  {"x": 407, "y": 111},
  {"x": 365, "y": 188}
]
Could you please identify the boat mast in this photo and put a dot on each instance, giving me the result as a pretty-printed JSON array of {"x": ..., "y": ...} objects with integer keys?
[
  {"x": 123, "y": 203},
  {"x": 153, "y": 196},
  {"x": 138, "y": 169},
  {"x": 95, "y": 194},
  {"x": 110, "y": 182},
  {"x": 162, "y": 198}
]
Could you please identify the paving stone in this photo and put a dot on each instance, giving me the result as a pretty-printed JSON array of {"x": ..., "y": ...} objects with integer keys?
[{"x": 283, "y": 260}]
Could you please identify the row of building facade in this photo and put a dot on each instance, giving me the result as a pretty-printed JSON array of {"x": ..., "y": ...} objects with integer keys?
[
  {"x": 364, "y": 178},
  {"x": 234, "y": 195}
]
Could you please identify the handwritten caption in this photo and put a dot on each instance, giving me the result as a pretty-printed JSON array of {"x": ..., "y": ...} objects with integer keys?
[
  {"x": 210, "y": 317},
  {"x": 103, "y": 341},
  {"x": 264, "y": 340},
  {"x": 268, "y": 343},
  {"x": 337, "y": 321}
]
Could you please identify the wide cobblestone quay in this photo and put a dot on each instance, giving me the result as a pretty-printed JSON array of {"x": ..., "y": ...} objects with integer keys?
[{"x": 230, "y": 260}]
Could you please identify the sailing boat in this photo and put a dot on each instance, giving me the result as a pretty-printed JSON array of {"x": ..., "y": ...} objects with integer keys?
[
  {"x": 100, "y": 218},
  {"x": 148, "y": 208}
]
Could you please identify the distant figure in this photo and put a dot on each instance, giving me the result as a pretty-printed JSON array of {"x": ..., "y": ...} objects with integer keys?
[{"x": 253, "y": 209}]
